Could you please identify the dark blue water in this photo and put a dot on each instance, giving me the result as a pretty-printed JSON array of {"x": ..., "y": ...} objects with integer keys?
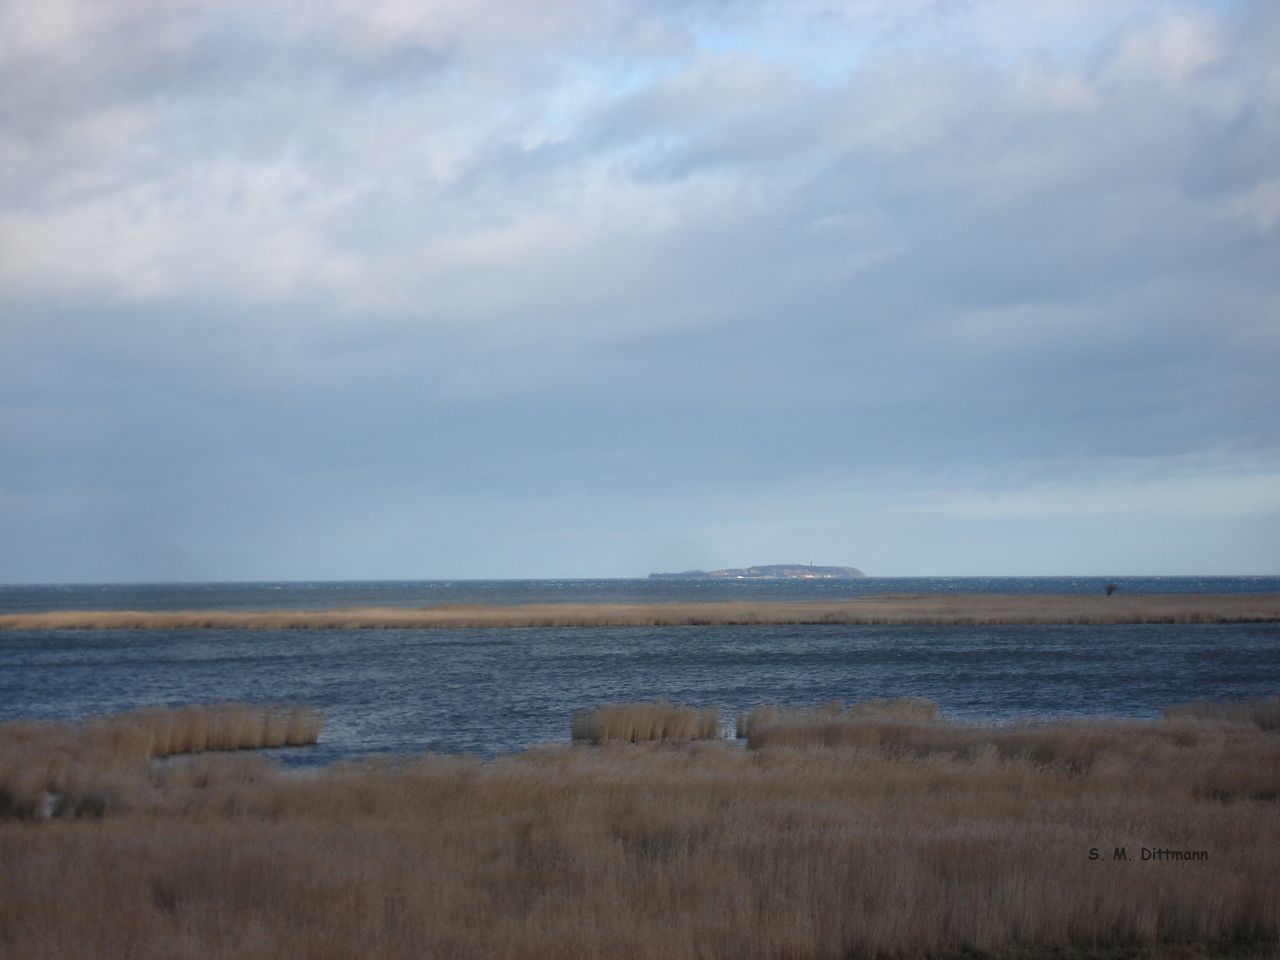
[
  {"x": 493, "y": 691},
  {"x": 419, "y": 593}
]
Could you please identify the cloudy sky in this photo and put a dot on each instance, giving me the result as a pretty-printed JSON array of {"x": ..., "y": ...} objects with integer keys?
[{"x": 393, "y": 289}]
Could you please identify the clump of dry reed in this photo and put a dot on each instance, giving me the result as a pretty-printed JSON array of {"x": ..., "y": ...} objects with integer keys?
[
  {"x": 910, "y": 728},
  {"x": 846, "y": 852},
  {"x": 60, "y": 769},
  {"x": 1263, "y": 712},
  {"x": 904, "y": 709},
  {"x": 645, "y": 722},
  {"x": 158, "y": 732}
]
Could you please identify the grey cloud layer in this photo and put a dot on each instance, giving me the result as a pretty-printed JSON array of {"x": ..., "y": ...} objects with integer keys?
[{"x": 479, "y": 254}]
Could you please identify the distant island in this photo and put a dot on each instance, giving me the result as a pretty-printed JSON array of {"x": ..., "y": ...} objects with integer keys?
[{"x": 771, "y": 571}]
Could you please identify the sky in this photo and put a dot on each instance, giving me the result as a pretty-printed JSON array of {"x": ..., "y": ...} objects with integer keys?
[{"x": 379, "y": 289}]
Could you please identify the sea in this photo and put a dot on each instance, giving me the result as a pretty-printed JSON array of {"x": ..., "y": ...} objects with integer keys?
[{"x": 490, "y": 692}]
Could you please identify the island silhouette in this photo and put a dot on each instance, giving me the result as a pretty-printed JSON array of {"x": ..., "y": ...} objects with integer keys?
[{"x": 772, "y": 571}]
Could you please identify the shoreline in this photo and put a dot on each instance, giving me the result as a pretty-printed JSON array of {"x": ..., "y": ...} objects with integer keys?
[{"x": 885, "y": 610}]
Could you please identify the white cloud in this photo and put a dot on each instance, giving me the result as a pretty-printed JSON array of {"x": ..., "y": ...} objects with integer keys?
[
  {"x": 1259, "y": 206},
  {"x": 757, "y": 243},
  {"x": 297, "y": 170},
  {"x": 1170, "y": 51}
]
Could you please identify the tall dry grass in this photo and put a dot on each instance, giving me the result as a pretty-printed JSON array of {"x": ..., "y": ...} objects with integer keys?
[
  {"x": 1246, "y": 763},
  {"x": 1262, "y": 712},
  {"x": 909, "y": 709},
  {"x": 646, "y": 722},
  {"x": 697, "y": 850},
  {"x": 921, "y": 609},
  {"x": 59, "y": 769}
]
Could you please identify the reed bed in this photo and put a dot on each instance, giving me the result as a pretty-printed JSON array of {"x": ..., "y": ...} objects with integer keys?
[
  {"x": 1247, "y": 764},
  {"x": 1262, "y": 712},
  {"x": 58, "y": 769},
  {"x": 646, "y": 722},
  {"x": 909, "y": 709},
  {"x": 922, "y": 609},
  {"x": 703, "y": 850}
]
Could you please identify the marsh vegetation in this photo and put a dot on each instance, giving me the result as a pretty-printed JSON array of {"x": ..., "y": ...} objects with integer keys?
[
  {"x": 914, "y": 609},
  {"x": 871, "y": 830}
]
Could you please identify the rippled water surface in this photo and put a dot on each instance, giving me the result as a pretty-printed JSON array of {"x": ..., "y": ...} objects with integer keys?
[
  {"x": 417, "y": 593},
  {"x": 498, "y": 690}
]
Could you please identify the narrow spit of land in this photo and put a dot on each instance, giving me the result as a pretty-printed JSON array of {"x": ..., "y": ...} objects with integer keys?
[{"x": 917, "y": 609}]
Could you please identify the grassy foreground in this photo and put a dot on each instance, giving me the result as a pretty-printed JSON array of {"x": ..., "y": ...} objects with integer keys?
[
  {"x": 896, "y": 836},
  {"x": 919, "y": 609}
]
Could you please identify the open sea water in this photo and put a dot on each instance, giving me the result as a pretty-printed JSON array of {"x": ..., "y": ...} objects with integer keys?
[{"x": 494, "y": 691}]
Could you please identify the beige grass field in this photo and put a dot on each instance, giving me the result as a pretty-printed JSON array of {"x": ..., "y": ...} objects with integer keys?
[
  {"x": 841, "y": 832},
  {"x": 913, "y": 609}
]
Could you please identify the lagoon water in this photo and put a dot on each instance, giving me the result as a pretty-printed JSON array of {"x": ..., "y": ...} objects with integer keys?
[{"x": 499, "y": 690}]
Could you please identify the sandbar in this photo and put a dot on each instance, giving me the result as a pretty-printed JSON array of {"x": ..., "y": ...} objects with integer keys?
[{"x": 907, "y": 609}]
